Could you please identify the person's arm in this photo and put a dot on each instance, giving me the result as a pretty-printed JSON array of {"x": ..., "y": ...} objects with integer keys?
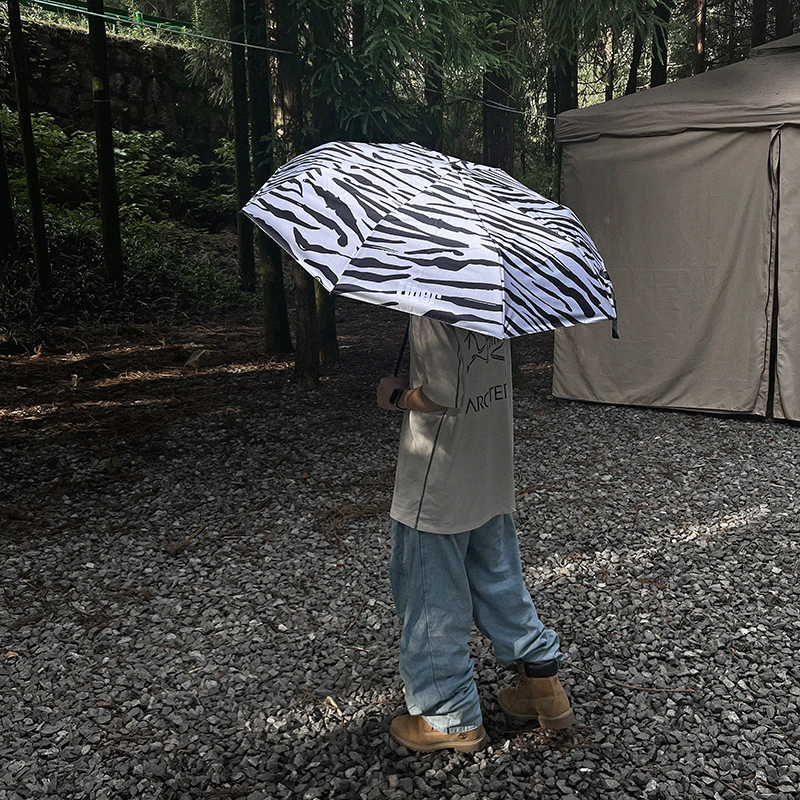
[
  {"x": 408, "y": 400},
  {"x": 415, "y": 400}
]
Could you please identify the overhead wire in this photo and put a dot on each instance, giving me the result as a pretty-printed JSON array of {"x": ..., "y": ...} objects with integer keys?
[
  {"x": 156, "y": 26},
  {"x": 180, "y": 32}
]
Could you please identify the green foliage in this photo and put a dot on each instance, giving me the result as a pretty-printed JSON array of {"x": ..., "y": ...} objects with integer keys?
[
  {"x": 375, "y": 70},
  {"x": 208, "y": 61},
  {"x": 364, "y": 108},
  {"x": 361, "y": 91},
  {"x": 151, "y": 181},
  {"x": 215, "y": 191},
  {"x": 171, "y": 265},
  {"x": 196, "y": 266},
  {"x": 128, "y": 29},
  {"x": 573, "y": 25},
  {"x": 171, "y": 272}
]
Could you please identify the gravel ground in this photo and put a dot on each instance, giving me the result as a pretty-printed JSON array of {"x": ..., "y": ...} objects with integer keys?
[{"x": 196, "y": 601}]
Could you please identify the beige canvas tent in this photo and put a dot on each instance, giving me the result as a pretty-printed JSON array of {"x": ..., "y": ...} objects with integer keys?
[{"x": 692, "y": 193}]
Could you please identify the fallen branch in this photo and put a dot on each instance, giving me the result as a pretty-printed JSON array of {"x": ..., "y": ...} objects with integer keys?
[
  {"x": 173, "y": 549},
  {"x": 633, "y": 685},
  {"x": 355, "y": 618},
  {"x": 727, "y": 785}
]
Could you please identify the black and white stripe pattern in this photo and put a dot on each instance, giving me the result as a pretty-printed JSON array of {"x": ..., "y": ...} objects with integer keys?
[{"x": 398, "y": 225}]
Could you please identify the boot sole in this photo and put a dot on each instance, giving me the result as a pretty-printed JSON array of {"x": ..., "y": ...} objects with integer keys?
[
  {"x": 558, "y": 723},
  {"x": 467, "y": 747}
]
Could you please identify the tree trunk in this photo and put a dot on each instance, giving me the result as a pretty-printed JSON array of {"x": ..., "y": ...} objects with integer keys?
[
  {"x": 358, "y": 26},
  {"x": 609, "y": 72},
  {"x": 306, "y": 357},
  {"x": 259, "y": 106},
  {"x": 783, "y": 18},
  {"x": 565, "y": 78},
  {"x": 323, "y": 324},
  {"x": 758, "y": 34},
  {"x": 566, "y": 81},
  {"x": 550, "y": 122},
  {"x": 700, "y": 37},
  {"x": 636, "y": 60},
  {"x": 321, "y": 32},
  {"x": 326, "y": 322},
  {"x": 659, "y": 58},
  {"x": 290, "y": 111},
  {"x": 107, "y": 180},
  {"x": 41, "y": 252},
  {"x": 277, "y": 336},
  {"x": 434, "y": 90},
  {"x": 730, "y": 32},
  {"x": 324, "y": 122},
  {"x": 259, "y": 91},
  {"x": 498, "y": 128},
  {"x": 498, "y": 123},
  {"x": 8, "y": 227},
  {"x": 434, "y": 102},
  {"x": 307, "y": 347},
  {"x": 246, "y": 251}
]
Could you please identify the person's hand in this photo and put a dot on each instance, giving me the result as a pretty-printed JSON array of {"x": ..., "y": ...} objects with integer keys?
[{"x": 385, "y": 389}]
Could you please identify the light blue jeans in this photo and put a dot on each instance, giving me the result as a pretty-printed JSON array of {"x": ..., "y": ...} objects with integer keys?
[{"x": 442, "y": 583}]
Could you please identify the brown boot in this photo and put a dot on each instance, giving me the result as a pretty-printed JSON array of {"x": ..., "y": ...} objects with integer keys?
[
  {"x": 537, "y": 698},
  {"x": 415, "y": 734}
]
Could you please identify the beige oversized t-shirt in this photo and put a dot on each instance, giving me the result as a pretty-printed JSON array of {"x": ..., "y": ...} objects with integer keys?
[{"x": 455, "y": 469}]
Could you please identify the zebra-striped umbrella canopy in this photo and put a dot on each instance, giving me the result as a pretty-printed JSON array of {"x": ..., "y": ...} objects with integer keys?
[{"x": 402, "y": 226}]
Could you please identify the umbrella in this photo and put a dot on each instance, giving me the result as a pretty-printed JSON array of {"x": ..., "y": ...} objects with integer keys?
[{"x": 402, "y": 226}]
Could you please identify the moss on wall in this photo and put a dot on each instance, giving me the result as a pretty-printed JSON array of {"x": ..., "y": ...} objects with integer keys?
[{"x": 149, "y": 84}]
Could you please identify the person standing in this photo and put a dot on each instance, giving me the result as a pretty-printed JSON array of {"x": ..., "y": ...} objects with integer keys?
[{"x": 455, "y": 555}]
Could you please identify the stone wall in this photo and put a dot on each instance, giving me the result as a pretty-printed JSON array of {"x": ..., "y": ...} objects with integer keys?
[{"x": 149, "y": 84}]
